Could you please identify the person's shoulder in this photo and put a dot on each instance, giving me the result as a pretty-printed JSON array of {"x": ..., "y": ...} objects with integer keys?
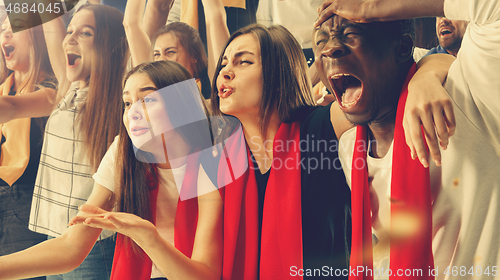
[
  {"x": 307, "y": 114},
  {"x": 316, "y": 119},
  {"x": 210, "y": 164}
]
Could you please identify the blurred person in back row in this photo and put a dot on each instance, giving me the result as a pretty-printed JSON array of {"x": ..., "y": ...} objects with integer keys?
[
  {"x": 449, "y": 34},
  {"x": 26, "y": 75}
]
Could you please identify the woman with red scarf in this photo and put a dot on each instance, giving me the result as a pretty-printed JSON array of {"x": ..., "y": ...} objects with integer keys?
[
  {"x": 286, "y": 202},
  {"x": 169, "y": 222}
]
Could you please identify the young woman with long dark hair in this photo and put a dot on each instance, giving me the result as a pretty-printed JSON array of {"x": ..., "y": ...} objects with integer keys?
[{"x": 170, "y": 222}]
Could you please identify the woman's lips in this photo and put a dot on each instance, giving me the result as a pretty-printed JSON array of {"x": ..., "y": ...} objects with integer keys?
[
  {"x": 225, "y": 92},
  {"x": 137, "y": 131},
  {"x": 8, "y": 51}
]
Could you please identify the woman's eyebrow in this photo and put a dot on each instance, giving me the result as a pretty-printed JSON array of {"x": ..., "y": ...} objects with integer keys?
[{"x": 143, "y": 89}]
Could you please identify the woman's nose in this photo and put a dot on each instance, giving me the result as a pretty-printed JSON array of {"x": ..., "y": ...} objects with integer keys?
[
  {"x": 227, "y": 73},
  {"x": 136, "y": 111}
]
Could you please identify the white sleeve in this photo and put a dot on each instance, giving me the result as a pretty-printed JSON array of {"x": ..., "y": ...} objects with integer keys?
[
  {"x": 473, "y": 82},
  {"x": 475, "y": 11},
  {"x": 205, "y": 185},
  {"x": 105, "y": 175}
]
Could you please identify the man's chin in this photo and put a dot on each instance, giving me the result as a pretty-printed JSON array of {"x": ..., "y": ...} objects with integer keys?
[{"x": 357, "y": 119}]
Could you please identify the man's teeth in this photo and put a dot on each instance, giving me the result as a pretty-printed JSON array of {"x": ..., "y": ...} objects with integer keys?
[
  {"x": 446, "y": 31},
  {"x": 225, "y": 90},
  {"x": 338, "y": 76}
]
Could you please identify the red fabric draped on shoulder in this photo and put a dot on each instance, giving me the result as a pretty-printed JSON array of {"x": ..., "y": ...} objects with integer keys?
[
  {"x": 411, "y": 200},
  {"x": 128, "y": 265},
  {"x": 281, "y": 237}
]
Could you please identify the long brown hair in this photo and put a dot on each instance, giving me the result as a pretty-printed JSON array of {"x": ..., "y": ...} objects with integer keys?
[
  {"x": 136, "y": 175},
  {"x": 40, "y": 68},
  {"x": 286, "y": 83},
  {"x": 100, "y": 115}
]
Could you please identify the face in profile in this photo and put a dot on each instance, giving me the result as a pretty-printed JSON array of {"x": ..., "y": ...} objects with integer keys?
[
  {"x": 78, "y": 46},
  {"x": 450, "y": 33},
  {"x": 357, "y": 66},
  {"x": 168, "y": 47},
  {"x": 145, "y": 116},
  {"x": 240, "y": 80},
  {"x": 16, "y": 46}
]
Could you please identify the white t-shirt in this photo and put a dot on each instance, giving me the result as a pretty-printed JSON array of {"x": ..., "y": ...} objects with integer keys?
[{"x": 170, "y": 183}]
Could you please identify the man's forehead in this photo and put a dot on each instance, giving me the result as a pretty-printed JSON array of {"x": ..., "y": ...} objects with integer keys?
[{"x": 336, "y": 22}]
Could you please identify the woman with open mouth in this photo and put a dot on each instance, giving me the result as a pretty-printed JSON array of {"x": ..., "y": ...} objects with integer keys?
[
  {"x": 89, "y": 62},
  {"x": 290, "y": 207},
  {"x": 32, "y": 82}
]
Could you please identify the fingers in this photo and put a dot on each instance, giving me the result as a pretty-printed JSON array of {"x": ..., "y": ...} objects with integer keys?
[
  {"x": 432, "y": 142},
  {"x": 91, "y": 209},
  {"x": 408, "y": 139},
  {"x": 441, "y": 129},
  {"x": 415, "y": 134},
  {"x": 76, "y": 220},
  {"x": 449, "y": 118},
  {"x": 100, "y": 222},
  {"x": 324, "y": 13}
]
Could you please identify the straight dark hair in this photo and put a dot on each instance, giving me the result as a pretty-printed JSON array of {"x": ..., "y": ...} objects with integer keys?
[
  {"x": 286, "y": 83},
  {"x": 100, "y": 115}
]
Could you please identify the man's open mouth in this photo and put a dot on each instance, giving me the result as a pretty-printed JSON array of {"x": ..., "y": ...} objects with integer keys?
[
  {"x": 348, "y": 89},
  {"x": 446, "y": 31}
]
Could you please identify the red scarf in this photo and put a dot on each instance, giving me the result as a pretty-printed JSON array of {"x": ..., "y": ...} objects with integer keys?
[
  {"x": 410, "y": 194},
  {"x": 281, "y": 237},
  {"x": 127, "y": 265}
]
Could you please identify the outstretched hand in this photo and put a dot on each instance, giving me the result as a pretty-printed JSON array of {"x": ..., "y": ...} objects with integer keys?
[{"x": 140, "y": 230}]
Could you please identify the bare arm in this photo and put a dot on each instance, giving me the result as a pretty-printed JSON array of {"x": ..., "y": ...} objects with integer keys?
[
  {"x": 379, "y": 10},
  {"x": 139, "y": 42},
  {"x": 217, "y": 31},
  {"x": 429, "y": 106},
  {"x": 156, "y": 15},
  {"x": 31, "y": 105},
  {"x": 61, "y": 254},
  {"x": 206, "y": 260},
  {"x": 55, "y": 32}
]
